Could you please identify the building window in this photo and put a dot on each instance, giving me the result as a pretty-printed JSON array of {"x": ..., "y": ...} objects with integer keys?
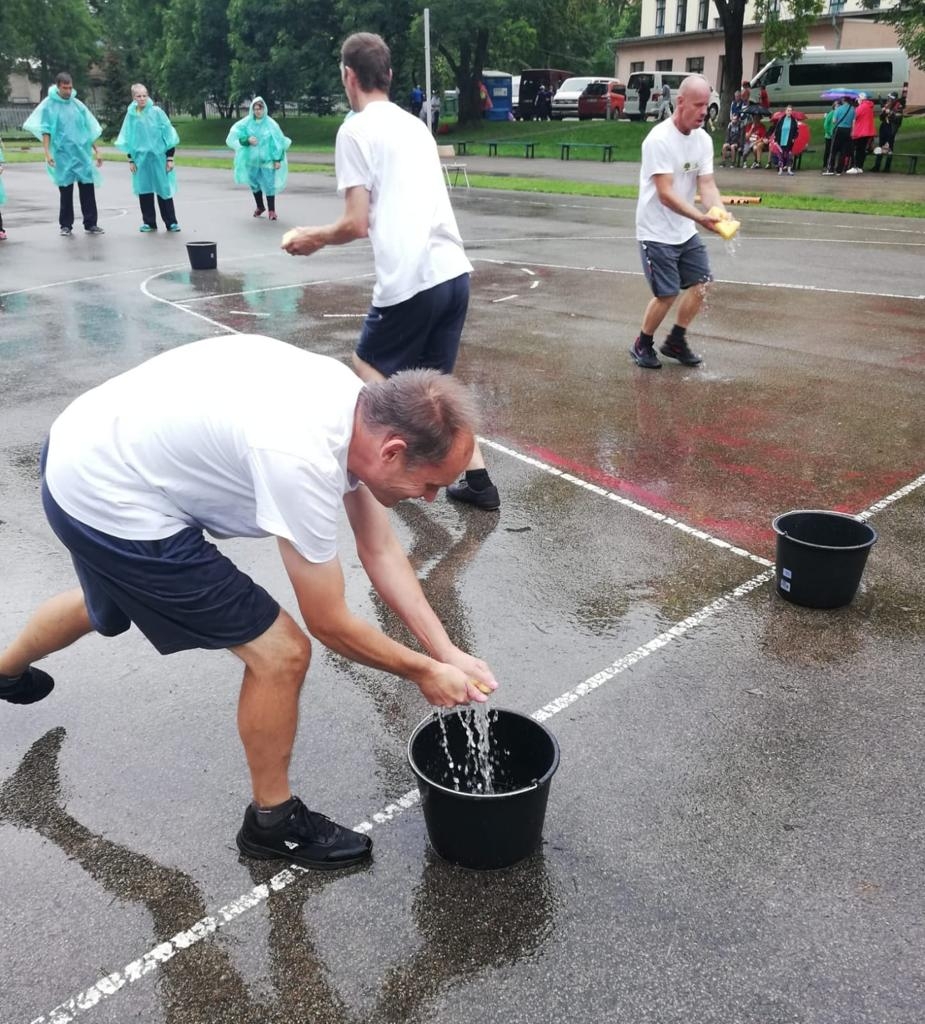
[
  {"x": 663, "y": 65},
  {"x": 637, "y": 65},
  {"x": 774, "y": 8},
  {"x": 703, "y": 14},
  {"x": 680, "y": 24},
  {"x": 836, "y": 6},
  {"x": 695, "y": 65},
  {"x": 659, "y": 17}
]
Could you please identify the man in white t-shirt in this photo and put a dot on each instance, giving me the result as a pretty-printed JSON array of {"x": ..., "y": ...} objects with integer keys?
[
  {"x": 246, "y": 436},
  {"x": 677, "y": 163},
  {"x": 389, "y": 174}
]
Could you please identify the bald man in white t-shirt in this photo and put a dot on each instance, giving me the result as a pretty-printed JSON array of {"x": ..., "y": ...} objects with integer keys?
[{"x": 389, "y": 174}]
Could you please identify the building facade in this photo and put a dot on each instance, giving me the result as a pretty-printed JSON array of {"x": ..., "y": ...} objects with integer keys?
[{"x": 686, "y": 35}]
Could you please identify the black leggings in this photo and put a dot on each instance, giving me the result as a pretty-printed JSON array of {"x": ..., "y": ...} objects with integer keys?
[
  {"x": 87, "y": 204},
  {"x": 271, "y": 202},
  {"x": 146, "y": 202}
]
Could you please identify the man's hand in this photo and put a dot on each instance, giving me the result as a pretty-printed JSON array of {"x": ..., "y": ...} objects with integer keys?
[
  {"x": 132, "y": 166},
  {"x": 50, "y": 160},
  {"x": 253, "y": 141},
  {"x": 302, "y": 241},
  {"x": 446, "y": 686}
]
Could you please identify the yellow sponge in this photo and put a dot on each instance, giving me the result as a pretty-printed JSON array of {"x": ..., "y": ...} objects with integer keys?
[{"x": 726, "y": 226}]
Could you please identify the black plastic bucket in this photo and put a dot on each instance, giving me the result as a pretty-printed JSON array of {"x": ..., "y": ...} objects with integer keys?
[
  {"x": 476, "y": 829},
  {"x": 202, "y": 255},
  {"x": 821, "y": 556}
]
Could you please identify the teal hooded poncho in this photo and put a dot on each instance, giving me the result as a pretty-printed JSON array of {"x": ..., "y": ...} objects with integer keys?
[
  {"x": 73, "y": 130},
  {"x": 145, "y": 136},
  {"x": 253, "y": 165}
]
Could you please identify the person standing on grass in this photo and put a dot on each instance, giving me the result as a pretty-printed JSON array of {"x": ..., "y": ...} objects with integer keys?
[
  {"x": 785, "y": 135},
  {"x": 68, "y": 133},
  {"x": 260, "y": 156},
  {"x": 247, "y": 436},
  {"x": 389, "y": 174},
  {"x": 149, "y": 140},
  {"x": 677, "y": 163}
]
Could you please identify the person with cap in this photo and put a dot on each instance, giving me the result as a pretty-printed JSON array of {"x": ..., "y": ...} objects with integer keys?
[
  {"x": 248, "y": 436},
  {"x": 389, "y": 174},
  {"x": 862, "y": 132},
  {"x": 149, "y": 140},
  {"x": 68, "y": 132},
  {"x": 260, "y": 156}
]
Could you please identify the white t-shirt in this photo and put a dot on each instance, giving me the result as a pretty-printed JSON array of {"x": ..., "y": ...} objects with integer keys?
[
  {"x": 416, "y": 243},
  {"x": 687, "y": 157},
  {"x": 243, "y": 436}
]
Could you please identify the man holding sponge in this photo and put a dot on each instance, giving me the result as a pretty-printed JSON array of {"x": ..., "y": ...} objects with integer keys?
[{"x": 677, "y": 163}]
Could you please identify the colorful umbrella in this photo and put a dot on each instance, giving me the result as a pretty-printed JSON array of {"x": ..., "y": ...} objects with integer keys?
[
  {"x": 837, "y": 94},
  {"x": 798, "y": 114}
]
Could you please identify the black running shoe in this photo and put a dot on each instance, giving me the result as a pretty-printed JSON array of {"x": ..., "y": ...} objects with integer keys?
[
  {"x": 487, "y": 498},
  {"x": 644, "y": 355},
  {"x": 680, "y": 350},
  {"x": 33, "y": 685},
  {"x": 305, "y": 837}
]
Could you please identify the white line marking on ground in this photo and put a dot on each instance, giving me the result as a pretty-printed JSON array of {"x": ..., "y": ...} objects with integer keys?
[
  {"x": 535, "y": 284},
  {"x": 505, "y": 299},
  {"x": 245, "y": 312},
  {"x": 527, "y": 270},
  {"x": 342, "y": 316},
  {"x": 275, "y": 288},
  {"x": 176, "y": 305},
  {"x": 659, "y": 517},
  {"x": 108, "y": 985}
]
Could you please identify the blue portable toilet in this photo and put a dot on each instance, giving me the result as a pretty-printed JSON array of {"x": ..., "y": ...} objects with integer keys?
[{"x": 498, "y": 86}]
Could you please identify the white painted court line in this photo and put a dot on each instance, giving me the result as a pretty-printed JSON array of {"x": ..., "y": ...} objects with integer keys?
[
  {"x": 659, "y": 517},
  {"x": 176, "y": 305},
  {"x": 110, "y": 984}
]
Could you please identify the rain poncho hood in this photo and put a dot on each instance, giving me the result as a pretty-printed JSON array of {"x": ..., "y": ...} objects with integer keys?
[
  {"x": 253, "y": 165},
  {"x": 73, "y": 130},
  {"x": 145, "y": 136}
]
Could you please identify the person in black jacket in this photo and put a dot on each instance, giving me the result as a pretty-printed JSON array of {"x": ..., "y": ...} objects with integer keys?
[{"x": 645, "y": 91}]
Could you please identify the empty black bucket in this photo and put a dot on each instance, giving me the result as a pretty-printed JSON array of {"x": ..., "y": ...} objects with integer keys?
[
  {"x": 202, "y": 255},
  {"x": 821, "y": 556},
  {"x": 478, "y": 829}
]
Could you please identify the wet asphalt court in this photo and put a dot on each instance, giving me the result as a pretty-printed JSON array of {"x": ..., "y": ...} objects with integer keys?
[{"x": 735, "y": 832}]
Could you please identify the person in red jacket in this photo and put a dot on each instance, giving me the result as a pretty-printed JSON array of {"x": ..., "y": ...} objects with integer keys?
[{"x": 862, "y": 132}]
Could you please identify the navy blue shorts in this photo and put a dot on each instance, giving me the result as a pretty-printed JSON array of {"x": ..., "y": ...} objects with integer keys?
[
  {"x": 181, "y": 592},
  {"x": 671, "y": 268},
  {"x": 422, "y": 332}
]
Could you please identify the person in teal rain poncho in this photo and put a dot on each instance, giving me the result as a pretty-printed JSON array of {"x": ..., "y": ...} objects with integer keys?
[
  {"x": 68, "y": 133},
  {"x": 260, "y": 155},
  {"x": 2, "y": 195},
  {"x": 149, "y": 140}
]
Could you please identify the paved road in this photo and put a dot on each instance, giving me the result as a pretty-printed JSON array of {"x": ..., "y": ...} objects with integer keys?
[{"x": 734, "y": 834}]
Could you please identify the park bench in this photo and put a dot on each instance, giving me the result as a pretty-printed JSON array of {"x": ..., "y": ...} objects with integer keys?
[
  {"x": 493, "y": 145},
  {"x": 911, "y": 158},
  {"x": 606, "y": 149},
  {"x": 462, "y": 144},
  {"x": 798, "y": 159}
]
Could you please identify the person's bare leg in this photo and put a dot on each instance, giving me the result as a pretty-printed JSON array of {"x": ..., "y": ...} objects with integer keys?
[
  {"x": 691, "y": 303},
  {"x": 54, "y": 625},
  {"x": 268, "y": 706},
  {"x": 656, "y": 312}
]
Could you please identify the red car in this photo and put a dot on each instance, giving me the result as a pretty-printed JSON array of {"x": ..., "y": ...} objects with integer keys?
[{"x": 604, "y": 97}]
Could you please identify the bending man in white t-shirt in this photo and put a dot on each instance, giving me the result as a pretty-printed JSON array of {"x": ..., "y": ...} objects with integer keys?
[
  {"x": 246, "y": 436},
  {"x": 389, "y": 174},
  {"x": 677, "y": 162}
]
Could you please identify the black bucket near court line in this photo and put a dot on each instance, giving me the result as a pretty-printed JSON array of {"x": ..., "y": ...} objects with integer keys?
[
  {"x": 485, "y": 830},
  {"x": 821, "y": 556},
  {"x": 202, "y": 255}
]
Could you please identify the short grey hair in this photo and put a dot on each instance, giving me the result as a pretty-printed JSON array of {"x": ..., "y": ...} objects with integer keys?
[{"x": 426, "y": 408}]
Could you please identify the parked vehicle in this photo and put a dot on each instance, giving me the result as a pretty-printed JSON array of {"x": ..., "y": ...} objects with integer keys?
[
  {"x": 800, "y": 82},
  {"x": 530, "y": 82},
  {"x": 565, "y": 101},
  {"x": 604, "y": 97},
  {"x": 656, "y": 80}
]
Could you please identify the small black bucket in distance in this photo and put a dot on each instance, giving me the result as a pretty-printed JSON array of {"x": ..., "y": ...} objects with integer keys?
[
  {"x": 821, "y": 556},
  {"x": 202, "y": 255},
  {"x": 485, "y": 830}
]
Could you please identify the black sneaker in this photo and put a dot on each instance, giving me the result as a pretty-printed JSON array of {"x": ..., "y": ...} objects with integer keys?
[
  {"x": 95, "y": 230},
  {"x": 487, "y": 498},
  {"x": 680, "y": 350},
  {"x": 644, "y": 355},
  {"x": 33, "y": 685},
  {"x": 305, "y": 837}
]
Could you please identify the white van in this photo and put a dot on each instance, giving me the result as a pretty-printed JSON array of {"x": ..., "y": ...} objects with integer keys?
[
  {"x": 565, "y": 101},
  {"x": 801, "y": 82},
  {"x": 657, "y": 79}
]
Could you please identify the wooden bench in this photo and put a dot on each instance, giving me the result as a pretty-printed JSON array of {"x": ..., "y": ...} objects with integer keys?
[
  {"x": 911, "y": 158},
  {"x": 461, "y": 146},
  {"x": 606, "y": 149},
  {"x": 493, "y": 145}
]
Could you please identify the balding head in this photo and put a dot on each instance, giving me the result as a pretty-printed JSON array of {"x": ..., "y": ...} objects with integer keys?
[{"x": 693, "y": 103}]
